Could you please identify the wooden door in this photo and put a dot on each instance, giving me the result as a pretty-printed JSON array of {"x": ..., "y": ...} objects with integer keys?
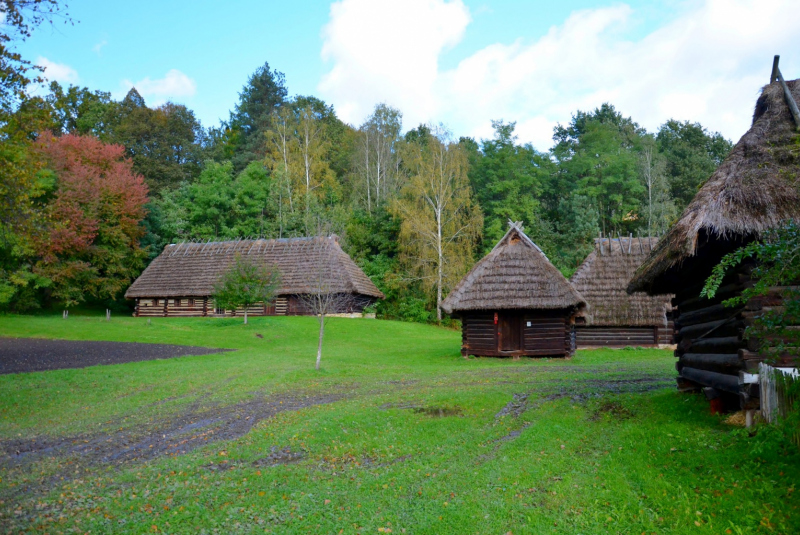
[{"x": 509, "y": 332}]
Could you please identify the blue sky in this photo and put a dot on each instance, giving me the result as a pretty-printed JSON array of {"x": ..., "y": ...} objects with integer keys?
[{"x": 461, "y": 63}]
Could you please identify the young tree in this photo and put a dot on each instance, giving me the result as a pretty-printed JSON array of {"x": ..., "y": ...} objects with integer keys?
[
  {"x": 441, "y": 223},
  {"x": 325, "y": 284},
  {"x": 245, "y": 283}
]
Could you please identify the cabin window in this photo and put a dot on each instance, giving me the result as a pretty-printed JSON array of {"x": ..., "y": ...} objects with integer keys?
[
  {"x": 219, "y": 311},
  {"x": 155, "y": 302},
  {"x": 191, "y": 302},
  {"x": 177, "y": 302},
  {"x": 580, "y": 321}
]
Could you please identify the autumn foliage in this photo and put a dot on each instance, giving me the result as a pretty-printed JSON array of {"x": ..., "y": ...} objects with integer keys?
[{"x": 91, "y": 242}]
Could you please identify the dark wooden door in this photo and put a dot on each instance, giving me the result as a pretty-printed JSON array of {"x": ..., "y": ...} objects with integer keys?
[{"x": 509, "y": 332}]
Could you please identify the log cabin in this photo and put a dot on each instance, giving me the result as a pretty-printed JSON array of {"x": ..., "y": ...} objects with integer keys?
[
  {"x": 514, "y": 302},
  {"x": 755, "y": 189},
  {"x": 179, "y": 282},
  {"x": 612, "y": 317}
]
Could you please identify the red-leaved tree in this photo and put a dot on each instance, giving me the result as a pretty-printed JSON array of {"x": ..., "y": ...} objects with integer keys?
[{"x": 91, "y": 246}]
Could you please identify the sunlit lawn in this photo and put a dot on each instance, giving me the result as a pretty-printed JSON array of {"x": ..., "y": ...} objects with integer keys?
[{"x": 410, "y": 442}]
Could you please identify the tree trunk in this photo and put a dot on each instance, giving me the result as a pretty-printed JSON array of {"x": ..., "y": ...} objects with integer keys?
[
  {"x": 440, "y": 267},
  {"x": 321, "y": 333},
  {"x": 245, "y": 315}
]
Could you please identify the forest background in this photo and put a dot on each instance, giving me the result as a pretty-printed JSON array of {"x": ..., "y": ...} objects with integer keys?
[{"x": 92, "y": 188}]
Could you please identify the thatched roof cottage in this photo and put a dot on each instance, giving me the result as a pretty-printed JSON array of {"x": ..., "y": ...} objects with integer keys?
[
  {"x": 515, "y": 302},
  {"x": 755, "y": 189},
  {"x": 612, "y": 317},
  {"x": 179, "y": 282}
]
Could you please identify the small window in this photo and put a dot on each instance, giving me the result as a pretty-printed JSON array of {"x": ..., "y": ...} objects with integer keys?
[
  {"x": 191, "y": 302},
  {"x": 155, "y": 302}
]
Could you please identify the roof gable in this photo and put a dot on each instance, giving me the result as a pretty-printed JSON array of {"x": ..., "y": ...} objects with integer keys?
[{"x": 516, "y": 274}]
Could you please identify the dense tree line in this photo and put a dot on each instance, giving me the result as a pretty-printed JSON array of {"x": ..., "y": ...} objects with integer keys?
[{"x": 93, "y": 188}]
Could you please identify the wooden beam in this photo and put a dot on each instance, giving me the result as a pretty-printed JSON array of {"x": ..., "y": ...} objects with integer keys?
[
  {"x": 774, "y": 75},
  {"x": 720, "y": 381},
  {"x": 790, "y": 100},
  {"x": 711, "y": 361}
]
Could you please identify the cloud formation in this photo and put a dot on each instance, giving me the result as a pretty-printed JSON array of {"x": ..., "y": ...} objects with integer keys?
[
  {"x": 57, "y": 72},
  {"x": 174, "y": 85},
  {"x": 706, "y": 64}
]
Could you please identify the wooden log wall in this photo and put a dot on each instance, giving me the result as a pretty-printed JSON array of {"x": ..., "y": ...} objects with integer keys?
[
  {"x": 478, "y": 333},
  {"x": 709, "y": 338},
  {"x": 590, "y": 336},
  {"x": 541, "y": 334},
  {"x": 546, "y": 335}
]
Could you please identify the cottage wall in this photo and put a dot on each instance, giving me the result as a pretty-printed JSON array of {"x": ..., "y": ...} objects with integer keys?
[{"x": 535, "y": 333}]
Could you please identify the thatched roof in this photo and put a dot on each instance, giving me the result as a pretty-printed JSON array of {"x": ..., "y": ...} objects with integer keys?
[
  {"x": 603, "y": 277},
  {"x": 753, "y": 190},
  {"x": 516, "y": 274},
  {"x": 191, "y": 269}
]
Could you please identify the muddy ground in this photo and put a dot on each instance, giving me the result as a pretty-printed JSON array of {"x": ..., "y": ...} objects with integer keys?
[{"x": 19, "y": 355}]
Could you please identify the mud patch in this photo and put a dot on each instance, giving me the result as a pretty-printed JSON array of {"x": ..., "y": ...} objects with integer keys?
[
  {"x": 33, "y": 354},
  {"x": 438, "y": 412},
  {"x": 172, "y": 436},
  {"x": 280, "y": 456},
  {"x": 515, "y": 407},
  {"x": 612, "y": 409}
]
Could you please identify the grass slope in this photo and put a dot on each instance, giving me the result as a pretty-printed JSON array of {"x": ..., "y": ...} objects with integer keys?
[{"x": 603, "y": 442}]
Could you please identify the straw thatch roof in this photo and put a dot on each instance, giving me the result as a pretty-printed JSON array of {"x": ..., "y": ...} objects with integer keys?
[
  {"x": 516, "y": 274},
  {"x": 191, "y": 269},
  {"x": 753, "y": 190},
  {"x": 603, "y": 277}
]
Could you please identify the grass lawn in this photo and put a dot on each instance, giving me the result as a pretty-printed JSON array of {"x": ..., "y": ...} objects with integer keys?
[{"x": 396, "y": 434}]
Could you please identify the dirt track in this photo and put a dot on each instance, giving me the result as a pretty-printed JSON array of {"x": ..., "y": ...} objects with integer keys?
[{"x": 19, "y": 355}]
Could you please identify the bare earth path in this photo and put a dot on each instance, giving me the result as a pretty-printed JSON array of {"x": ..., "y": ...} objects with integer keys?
[{"x": 34, "y": 354}]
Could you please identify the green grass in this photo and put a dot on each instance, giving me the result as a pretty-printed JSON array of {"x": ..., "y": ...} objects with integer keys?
[{"x": 580, "y": 459}]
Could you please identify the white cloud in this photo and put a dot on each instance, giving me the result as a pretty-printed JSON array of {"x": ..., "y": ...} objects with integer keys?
[
  {"x": 57, "y": 72},
  {"x": 388, "y": 50},
  {"x": 174, "y": 85},
  {"x": 707, "y": 65},
  {"x": 99, "y": 46}
]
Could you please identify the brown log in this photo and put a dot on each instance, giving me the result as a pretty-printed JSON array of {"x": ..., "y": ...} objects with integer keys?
[
  {"x": 724, "y": 344},
  {"x": 718, "y": 328},
  {"x": 720, "y": 381},
  {"x": 711, "y": 361},
  {"x": 704, "y": 315}
]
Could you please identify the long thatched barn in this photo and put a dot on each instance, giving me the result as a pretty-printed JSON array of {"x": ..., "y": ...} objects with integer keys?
[
  {"x": 514, "y": 302},
  {"x": 754, "y": 190},
  {"x": 612, "y": 317},
  {"x": 179, "y": 282}
]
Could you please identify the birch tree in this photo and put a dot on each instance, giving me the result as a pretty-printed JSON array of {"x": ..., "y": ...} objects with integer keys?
[
  {"x": 660, "y": 205},
  {"x": 441, "y": 223},
  {"x": 376, "y": 157}
]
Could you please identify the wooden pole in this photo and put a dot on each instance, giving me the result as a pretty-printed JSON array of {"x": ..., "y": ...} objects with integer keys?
[
  {"x": 774, "y": 75},
  {"x": 630, "y": 243},
  {"x": 790, "y": 100},
  {"x": 600, "y": 239}
]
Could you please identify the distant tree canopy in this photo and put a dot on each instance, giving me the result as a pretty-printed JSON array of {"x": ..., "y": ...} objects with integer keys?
[{"x": 414, "y": 209}]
